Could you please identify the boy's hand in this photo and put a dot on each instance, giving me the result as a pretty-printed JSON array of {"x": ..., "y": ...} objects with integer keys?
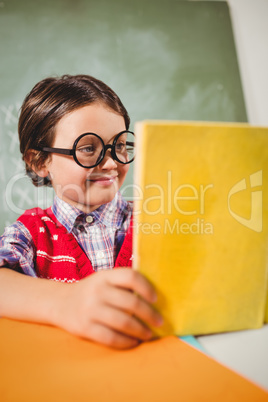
[{"x": 109, "y": 307}]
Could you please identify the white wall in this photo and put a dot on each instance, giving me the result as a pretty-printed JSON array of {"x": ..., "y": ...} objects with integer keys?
[{"x": 250, "y": 25}]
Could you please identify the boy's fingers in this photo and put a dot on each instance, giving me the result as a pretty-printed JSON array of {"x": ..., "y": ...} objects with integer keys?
[
  {"x": 109, "y": 337},
  {"x": 124, "y": 323},
  {"x": 133, "y": 304},
  {"x": 133, "y": 280}
]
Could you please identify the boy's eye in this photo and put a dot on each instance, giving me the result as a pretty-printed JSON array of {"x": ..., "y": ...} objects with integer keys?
[
  {"x": 120, "y": 147},
  {"x": 89, "y": 149}
]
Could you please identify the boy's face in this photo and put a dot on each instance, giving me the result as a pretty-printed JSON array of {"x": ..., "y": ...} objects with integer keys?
[{"x": 87, "y": 189}]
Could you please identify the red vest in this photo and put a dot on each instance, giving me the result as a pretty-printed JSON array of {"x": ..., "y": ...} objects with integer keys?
[{"x": 58, "y": 255}]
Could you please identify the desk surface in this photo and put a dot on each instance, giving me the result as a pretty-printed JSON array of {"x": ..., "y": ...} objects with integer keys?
[{"x": 42, "y": 363}]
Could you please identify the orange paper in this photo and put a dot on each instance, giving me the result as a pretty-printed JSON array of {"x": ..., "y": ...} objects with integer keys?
[{"x": 42, "y": 363}]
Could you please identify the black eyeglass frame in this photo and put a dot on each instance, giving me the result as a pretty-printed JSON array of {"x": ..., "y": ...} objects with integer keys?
[{"x": 72, "y": 152}]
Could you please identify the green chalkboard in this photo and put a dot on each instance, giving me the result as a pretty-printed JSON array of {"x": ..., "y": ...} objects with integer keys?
[{"x": 166, "y": 60}]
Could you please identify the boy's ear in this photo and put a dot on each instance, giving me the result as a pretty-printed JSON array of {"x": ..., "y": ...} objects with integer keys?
[{"x": 40, "y": 169}]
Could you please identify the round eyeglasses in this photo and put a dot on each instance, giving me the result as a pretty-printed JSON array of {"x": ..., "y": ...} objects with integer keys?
[{"x": 89, "y": 149}]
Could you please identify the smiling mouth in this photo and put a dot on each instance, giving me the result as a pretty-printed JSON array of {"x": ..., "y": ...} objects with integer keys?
[{"x": 102, "y": 179}]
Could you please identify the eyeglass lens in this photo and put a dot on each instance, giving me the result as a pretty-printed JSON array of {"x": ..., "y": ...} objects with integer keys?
[{"x": 89, "y": 149}]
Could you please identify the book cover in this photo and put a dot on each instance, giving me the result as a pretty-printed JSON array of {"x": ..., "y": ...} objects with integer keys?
[{"x": 201, "y": 214}]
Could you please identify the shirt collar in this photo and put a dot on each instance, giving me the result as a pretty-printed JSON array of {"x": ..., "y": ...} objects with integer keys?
[
  {"x": 111, "y": 214},
  {"x": 65, "y": 213}
]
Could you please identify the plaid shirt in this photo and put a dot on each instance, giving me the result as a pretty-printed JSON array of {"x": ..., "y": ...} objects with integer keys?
[{"x": 100, "y": 234}]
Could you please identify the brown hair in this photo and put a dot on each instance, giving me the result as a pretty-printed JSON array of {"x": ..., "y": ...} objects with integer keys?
[{"x": 50, "y": 100}]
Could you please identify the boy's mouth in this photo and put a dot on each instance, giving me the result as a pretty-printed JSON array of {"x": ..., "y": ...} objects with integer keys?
[{"x": 104, "y": 179}]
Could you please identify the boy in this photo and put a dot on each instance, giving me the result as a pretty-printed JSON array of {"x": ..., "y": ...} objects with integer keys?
[{"x": 74, "y": 136}]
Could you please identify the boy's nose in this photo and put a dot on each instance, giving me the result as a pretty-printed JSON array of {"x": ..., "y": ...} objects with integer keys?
[{"x": 108, "y": 162}]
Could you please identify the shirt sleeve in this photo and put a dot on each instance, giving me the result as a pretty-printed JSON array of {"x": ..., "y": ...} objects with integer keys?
[{"x": 17, "y": 249}]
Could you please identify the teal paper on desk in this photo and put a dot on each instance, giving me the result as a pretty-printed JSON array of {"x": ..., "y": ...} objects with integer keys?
[{"x": 191, "y": 340}]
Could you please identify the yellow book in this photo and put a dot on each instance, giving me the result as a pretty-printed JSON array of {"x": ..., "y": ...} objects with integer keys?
[
  {"x": 201, "y": 223},
  {"x": 266, "y": 310}
]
